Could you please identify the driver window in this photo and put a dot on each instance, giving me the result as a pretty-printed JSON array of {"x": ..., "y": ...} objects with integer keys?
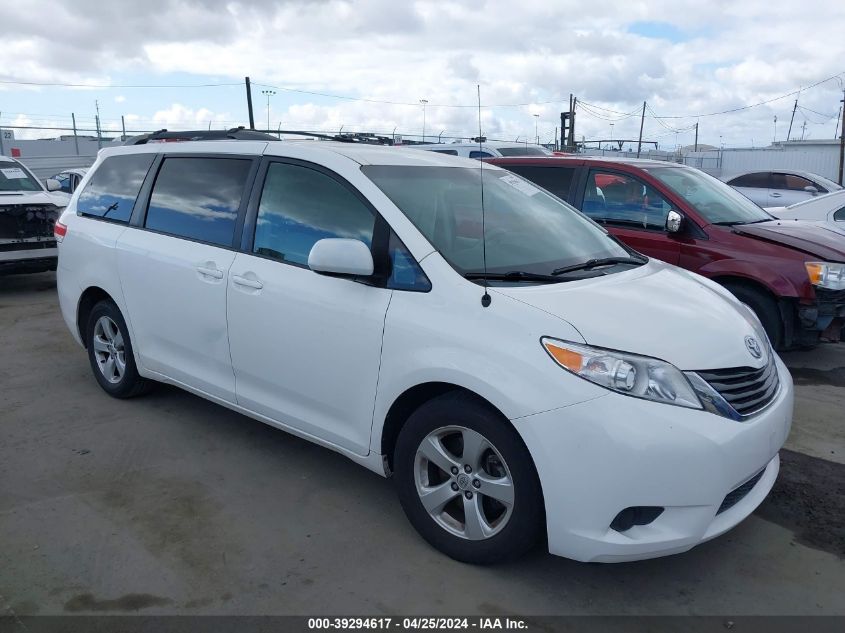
[{"x": 625, "y": 201}]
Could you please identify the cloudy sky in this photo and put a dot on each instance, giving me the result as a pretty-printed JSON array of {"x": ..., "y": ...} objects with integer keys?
[{"x": 686, "y": 58}]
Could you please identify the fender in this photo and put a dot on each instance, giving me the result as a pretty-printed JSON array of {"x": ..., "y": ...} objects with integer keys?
[{"x": 756, "y": 273}]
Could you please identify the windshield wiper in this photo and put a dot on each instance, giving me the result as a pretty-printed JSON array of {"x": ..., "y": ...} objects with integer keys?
[
  {"x": 594, "y": 263},
  {"x": 513, "y": 275}
]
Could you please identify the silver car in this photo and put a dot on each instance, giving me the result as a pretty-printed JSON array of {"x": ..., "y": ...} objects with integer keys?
[{"x": 781, "y": 188}]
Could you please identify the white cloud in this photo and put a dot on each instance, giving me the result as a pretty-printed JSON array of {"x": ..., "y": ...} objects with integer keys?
[
  {"x": 533, "y": 51},
  {"x": 119, "y": 99}
]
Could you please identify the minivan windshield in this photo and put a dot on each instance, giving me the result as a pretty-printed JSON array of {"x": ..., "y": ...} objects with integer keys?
[
  {"x": 715, "y": 201},
  {"x": 13, "y": 177},
  {"x": 529, "y": 232}
]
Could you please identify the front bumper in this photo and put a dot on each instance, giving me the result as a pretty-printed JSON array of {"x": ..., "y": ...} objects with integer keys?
[
  {"x": 828, "y": 309},
  {"x": 599, "y": 457}
]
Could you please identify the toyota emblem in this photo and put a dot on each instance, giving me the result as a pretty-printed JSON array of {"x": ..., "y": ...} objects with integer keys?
[{"x": 753, "y": 347}]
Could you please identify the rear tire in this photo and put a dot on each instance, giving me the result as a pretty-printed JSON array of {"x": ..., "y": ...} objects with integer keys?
[
  {"x": 110, "y": 352},
  {"x": 483, "y": 501},
  {"x": 765, "y": 307}
]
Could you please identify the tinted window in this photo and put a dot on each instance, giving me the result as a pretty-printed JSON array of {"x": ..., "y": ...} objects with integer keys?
[
  {"x": 300, "y": 206},
  {"x": 478, "y": 154},
  {"x": 198, "y": 198},
  {"x": 521, "y": 150},
  {"x": 554, "y": 179},
  {"x": 405, "y": 272},
  {"x": 625, "y": 201},
  {"x": 451, "y": 152},
  {"x": 111, "y": 191},
  {"x": 756, "y": 181},
  {"x": 839, "y": 216},
  {"x": 792, "y": 182}
]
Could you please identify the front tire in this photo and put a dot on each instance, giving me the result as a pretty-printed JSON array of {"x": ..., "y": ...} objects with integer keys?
[
  {"x": 766, "y": 309},
  {"x": 110, "y": 352},
  {"x": 467, "y": 482}
]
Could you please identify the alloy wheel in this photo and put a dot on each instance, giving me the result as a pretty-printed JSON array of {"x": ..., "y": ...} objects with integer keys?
[{"x": 109, "y": 349}]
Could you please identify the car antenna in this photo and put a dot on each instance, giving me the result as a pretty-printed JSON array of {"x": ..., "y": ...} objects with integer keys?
[{"x": 485, "y": 298}]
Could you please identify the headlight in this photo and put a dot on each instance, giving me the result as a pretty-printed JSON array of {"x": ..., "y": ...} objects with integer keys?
[
  {"x": 628, "y": 374},
  {"x": 826, "y": 275}
]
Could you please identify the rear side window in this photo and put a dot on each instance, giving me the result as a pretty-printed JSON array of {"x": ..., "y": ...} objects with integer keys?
[
  {"x": 556, "y": 180},
  {"x": 479, "y": 154},
  {"x": 793, "y": 183},
  {"x": 755, "y": 181},
  {"x": 839, "y": 216},
  {"x": 451, "y": 152},
  {"x": 198, "y": 198},
  {"x": 110, "y": 193}
]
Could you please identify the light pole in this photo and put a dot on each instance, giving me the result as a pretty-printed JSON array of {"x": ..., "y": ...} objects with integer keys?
[
  {"x": 611, "y": 136},
  {"x": 268, "y": 93},
  {"x": 775, "y": 137},
  {"x": 536, "y": 134},
  {"x": 423, "y": 102}
]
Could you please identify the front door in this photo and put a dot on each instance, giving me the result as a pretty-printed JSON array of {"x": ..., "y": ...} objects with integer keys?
[
  {"x": 306, "y": 347},
  {"x": 631, "y": 210}
]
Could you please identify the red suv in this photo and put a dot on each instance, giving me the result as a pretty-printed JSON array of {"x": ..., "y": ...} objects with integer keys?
[{"x": 790, "y": 273}]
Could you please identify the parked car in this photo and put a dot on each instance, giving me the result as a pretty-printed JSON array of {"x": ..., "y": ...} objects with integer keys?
[
  {"x": 781, "y": 188},
  {"x": 486, "y": 149},
  {"x": 69, "y": 179},
  {"x": 28, "y": 211},
  {"x": 826, "y": 211},
  {"x": 790, "y": 274},
  {"x": 545, "y": 381}
]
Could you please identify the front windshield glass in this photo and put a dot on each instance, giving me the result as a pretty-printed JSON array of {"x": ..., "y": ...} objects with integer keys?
[
  {"x": 715, "y": 201},
  {"x": 523, "y": 150},
  {"x": 13, "y": 177},
  {"x": 527, "y": 229}
]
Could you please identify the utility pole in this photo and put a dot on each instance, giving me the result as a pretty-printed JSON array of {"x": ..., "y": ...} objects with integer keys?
[
  {"x": 838, "y": 118},
  {"x": 536, "y": 133},
  {"x": 249, "y": 103},
  {"x": 75, "y": 139},
  {"x": 775, "y": 135},
  {"x": 696, "y": 138},
  {"x": 423, "y": 102},
  {"x": 268, "y": 94},
  {"x": 642, "y": 122},
  {"x": 122, "y": 127},
  {"x": 842, "y": 139},
  {"x": 795, "y": 107},
  {"x": 803, "y": 129},
  {"x": 2, "y": 151},
  {"x": 572, "y": 106},
  {"x": 99, "y": 135}
]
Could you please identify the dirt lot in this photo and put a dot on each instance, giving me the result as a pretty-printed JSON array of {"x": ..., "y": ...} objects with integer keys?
[{"x": 170, "y": 504}]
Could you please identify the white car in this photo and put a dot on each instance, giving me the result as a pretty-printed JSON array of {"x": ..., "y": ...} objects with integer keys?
[
  {"x": 69, "y": 179},
  {"x": 544, "y": 381},
  {"x": 486, "y": 149},
  {"x": 28, "y": 211},
  {"x": 827, "y": 211}
]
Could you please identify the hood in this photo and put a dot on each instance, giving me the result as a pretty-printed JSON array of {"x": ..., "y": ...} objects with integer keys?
[
  {"x": 58, "y": 198},
  {"x": 655, "y": 310},
  {"x": 800, "y": 235}
]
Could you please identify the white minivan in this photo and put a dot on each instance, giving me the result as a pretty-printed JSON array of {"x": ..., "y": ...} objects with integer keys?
[{"x": 519, "y": 372}]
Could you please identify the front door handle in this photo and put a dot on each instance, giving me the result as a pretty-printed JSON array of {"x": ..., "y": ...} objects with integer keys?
[
  {"x": 211, "y": 272},
  {"x": 249, "y": 283},
  {"x": 776, "y": 194}
]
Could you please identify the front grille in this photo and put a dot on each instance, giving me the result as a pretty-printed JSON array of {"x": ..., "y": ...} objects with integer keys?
[
  {"x": 738, "y": 494},
  {"x": 744, "y": 388}
]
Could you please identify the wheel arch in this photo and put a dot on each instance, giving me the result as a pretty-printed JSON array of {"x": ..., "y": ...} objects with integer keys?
[
  {"x": 91, "y": 297},
  {"x": 409, "y": 401}
]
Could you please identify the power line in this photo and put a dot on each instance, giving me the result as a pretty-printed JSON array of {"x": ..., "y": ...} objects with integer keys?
[{"x": 57, "y": 84}]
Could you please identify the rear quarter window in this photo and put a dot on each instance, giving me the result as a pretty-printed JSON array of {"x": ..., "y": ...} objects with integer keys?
[
  {"x": 839, "y": 216},
  {"x": 556, "y": 180},
  {"x": 111, "y": 192}
]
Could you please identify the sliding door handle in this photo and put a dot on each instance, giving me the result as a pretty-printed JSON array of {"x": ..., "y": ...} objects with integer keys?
[{"x": 249, "y": 283}]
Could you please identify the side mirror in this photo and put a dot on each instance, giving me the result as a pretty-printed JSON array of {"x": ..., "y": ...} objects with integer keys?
[
  {"x": 53, "y": 184},
  {"x": 811, "y": 189},
  {"x": 674, "y": 220},
  {"x": 341, "y": 256}
]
